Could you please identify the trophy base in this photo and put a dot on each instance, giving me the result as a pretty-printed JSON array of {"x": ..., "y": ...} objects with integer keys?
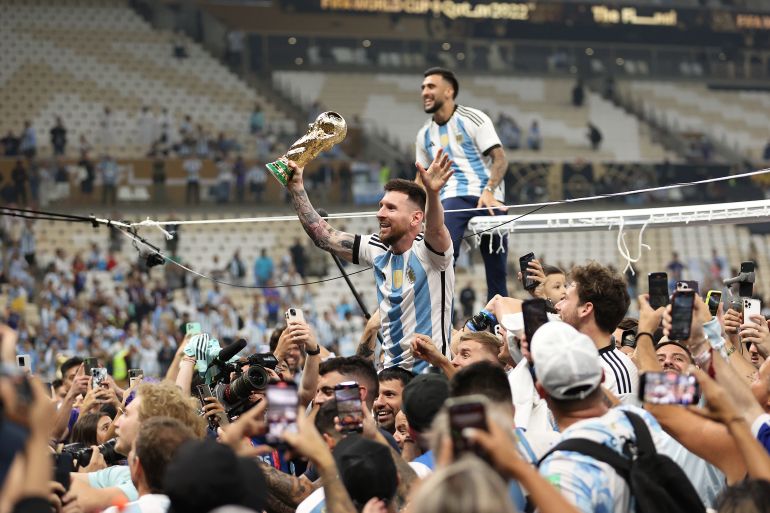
[{"x": 280, "y": 171}]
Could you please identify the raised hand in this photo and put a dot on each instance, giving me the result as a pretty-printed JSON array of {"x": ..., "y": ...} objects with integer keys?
[{"x": 438, "y": 173}]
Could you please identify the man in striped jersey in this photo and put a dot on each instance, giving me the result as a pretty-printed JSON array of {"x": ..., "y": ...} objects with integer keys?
[
  {"x": 479, "y": 165},
  {"x": 596, "y": 302},
  {"x": 413, "y": 268}
]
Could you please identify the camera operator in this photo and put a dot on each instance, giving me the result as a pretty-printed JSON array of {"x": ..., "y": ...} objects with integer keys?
[{"x": 98, "y": 489}]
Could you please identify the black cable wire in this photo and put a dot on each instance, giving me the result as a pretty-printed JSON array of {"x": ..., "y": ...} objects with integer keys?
[{"x": 52, "y": 214}]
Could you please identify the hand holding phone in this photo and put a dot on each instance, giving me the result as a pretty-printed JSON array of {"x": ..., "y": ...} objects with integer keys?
[
  {"x": 682, "y": 306},
  {"x": 98, "y": 377},
  {"x": 751, "y": 307},
  {"x": 294, "y": 314},
  {"x": 713, "y": 298},
  {"x": 349, "y": 409},
  {"x": 527, "y": 282},
  {"x": 282, "y": 402},
  {"x": 657, "y": 286},
  {"x": 535, "y": 315},
  {"x": 135, "y": 376},
  {"x": 669, "y": 388},
  {"x": 466, "y": 412}
]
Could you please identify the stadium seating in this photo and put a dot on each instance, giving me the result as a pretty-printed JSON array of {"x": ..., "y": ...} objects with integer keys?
[
  {"x": 390, "y": 103},
  {"x": 693, "y": 243},
  {"x": 740, "y": 119},
  {"x": 72, "y": 58}
]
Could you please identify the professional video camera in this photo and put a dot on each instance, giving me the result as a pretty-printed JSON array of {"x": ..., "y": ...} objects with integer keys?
[
  {"x": 81, "y": 454},
  {"x": 234, "y": 394}
]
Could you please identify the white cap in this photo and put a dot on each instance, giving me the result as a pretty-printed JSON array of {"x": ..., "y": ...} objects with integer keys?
[{"x": 566, "y": 361}]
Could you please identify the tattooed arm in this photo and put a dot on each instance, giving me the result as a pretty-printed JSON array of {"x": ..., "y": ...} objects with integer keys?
[
  {"x": 322, "y": 234},
  {"x": 368, "y": 342},
  {"x": 285, "y": 488}
]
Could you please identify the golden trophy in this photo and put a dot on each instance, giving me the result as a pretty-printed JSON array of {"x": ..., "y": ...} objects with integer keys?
[{"x": 328, "y": 129}]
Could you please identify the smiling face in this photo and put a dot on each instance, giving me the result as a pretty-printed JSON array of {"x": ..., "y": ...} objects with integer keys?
[
  {"x": 388, "y": 404},
  {"x": 673, "y": 358},
  {"x": 435, "y": 92},
  {"x": 398, "y": 217}
]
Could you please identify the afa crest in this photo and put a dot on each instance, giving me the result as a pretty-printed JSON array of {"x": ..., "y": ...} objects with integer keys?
[{"x": 410, "y": 275}]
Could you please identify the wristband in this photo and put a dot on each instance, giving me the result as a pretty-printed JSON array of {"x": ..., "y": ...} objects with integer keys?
[
  {"x": 645, "y": 334},
  {"x": 313, "y": 353}
]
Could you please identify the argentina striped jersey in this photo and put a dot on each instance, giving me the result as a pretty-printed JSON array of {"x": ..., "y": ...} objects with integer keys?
[
  {"x": 621, "y": 377},
  {"x": 415, "y": 290},
  {"x": 466, "y": 138}
]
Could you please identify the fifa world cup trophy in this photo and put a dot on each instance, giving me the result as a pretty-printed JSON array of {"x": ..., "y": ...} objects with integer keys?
[{"x": 326, "y": 131}]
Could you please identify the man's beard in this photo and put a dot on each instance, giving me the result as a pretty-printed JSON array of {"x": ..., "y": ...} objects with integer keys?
[
  {"x": 437, "y": 104},
  {"x": 395, "y": 236}
]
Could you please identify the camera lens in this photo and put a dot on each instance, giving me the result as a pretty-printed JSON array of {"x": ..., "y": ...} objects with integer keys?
[
  {"x": 255, "y": 378},
  {"x": 292, "y": 311}
]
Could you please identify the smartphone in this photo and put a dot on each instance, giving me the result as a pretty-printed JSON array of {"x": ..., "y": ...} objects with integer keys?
[
  {"x": 524, "y": 261},
  {"x": 349, "y": 409},
  {"x": 90, "y": 363},
  {"x": 193, "y": 328},
  {"x": 628, "y": 338},
  {"x": 282, "y": 403},
  {"x": 98, "y": 375},
  {"x": 713, "y": 298},
  {"x": 294, "y": 314},
  {"x": 466, "y": 412},
  {"x": 24, "y": 362},
  {"x": 688, "y": 285},
  {"x": 204, "y": 391},
  {"x": 746, "y": 289},
  {"x": 669, "y": 388},
  {"x": 535, "y": 315},
  {"x": 681, "y": 314},
  {"x": 23, "y": 388},
  {"x": 657, "y": 286},
  {"x": 751, "y": 307},
  {"x": 135, "y": 377}
]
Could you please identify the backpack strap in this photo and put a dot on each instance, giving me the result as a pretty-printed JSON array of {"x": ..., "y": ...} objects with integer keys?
[
  {"x": 644, "y": 443},
  {"x": 596, "y": 451}
]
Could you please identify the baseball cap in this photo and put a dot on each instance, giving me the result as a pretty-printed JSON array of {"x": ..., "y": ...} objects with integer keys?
[
  {"x": 366, "y": 469},
  {"x": 423, "y": 397},
  {"x": 566, "y": 361},
  {"x": 204, "y": 475}
]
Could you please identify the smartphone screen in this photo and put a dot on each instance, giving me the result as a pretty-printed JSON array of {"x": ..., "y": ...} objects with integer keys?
[
  {"x": 294, "y": 314},
  {"x": 657, "y": 284},
  {"x": 99, "y": 374},
  {"x": 528, "y": 282},
  {"x": 669, "y": 388},
  {"x": 681, "y": 315},
  {"x": 282, "y": 405},
  {"x": 464, "y": 414},
  {"x": 193, "y": 328},
  {"x": 535, "y": 315},
  {"x": 746, "y": 289},
  {"x": 712, "y": 300},
  {"x": 90, "y": 363},
  {"x": 349, "y": 410},
  {"x": 135, "y": 377}
]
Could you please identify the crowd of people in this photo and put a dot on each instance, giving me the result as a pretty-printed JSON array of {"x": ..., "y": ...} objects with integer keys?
[{"x": 558, "y": 399}]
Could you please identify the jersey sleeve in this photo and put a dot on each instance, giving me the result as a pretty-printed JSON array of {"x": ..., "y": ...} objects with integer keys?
[
  {"x": 366, "y": 248},
  {"x": 486, "y": 137},
  {"x": 438, "y": 261},
  {"x": 422, "y": 148}
]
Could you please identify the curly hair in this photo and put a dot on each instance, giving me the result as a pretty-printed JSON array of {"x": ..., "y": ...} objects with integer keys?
[
  {"x": 605, "y": 290},
  {"x": 167, "y": 400}
]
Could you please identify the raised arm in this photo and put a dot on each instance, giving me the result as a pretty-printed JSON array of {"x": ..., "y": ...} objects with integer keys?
[
  {"x": 321, "y": 233},
  {"x": 433, "y": 179}
]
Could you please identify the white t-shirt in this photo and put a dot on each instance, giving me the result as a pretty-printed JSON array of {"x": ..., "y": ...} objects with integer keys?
[
  {"x": 150, "y": 503},
  {"x": 465, "y": 137},
  {"x": 415, "y": 290}
]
